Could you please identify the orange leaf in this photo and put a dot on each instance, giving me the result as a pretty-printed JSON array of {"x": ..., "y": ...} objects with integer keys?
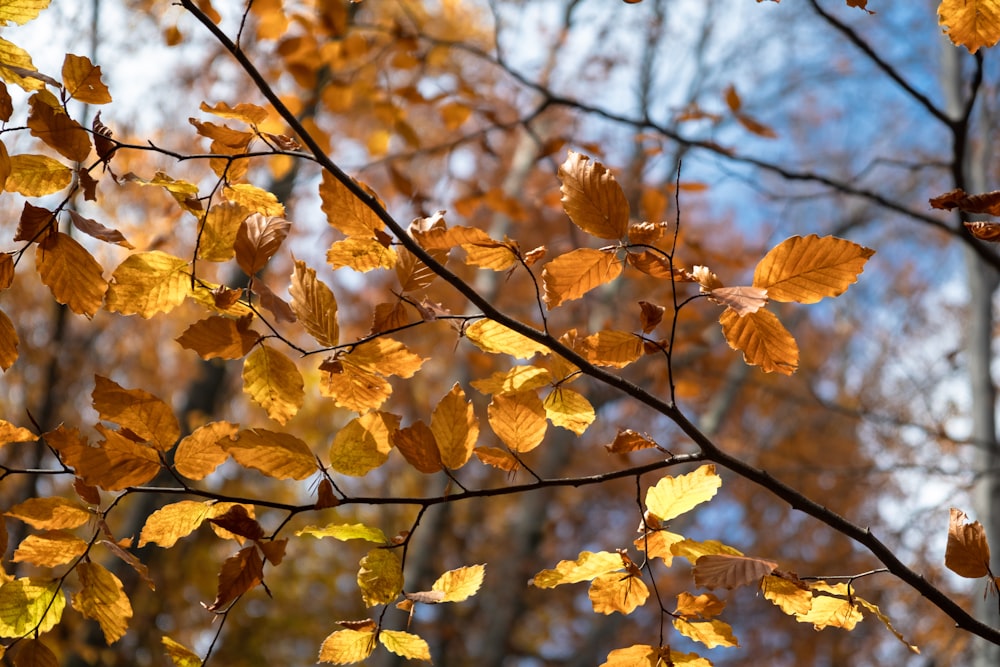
[
  {"x": 199, "y": 454},
  {"x": 82, "y": 80},
  {"x": 704, "y": 606},
  {"x": 806, "y": 269},
  {"x": 102, "y": 598},
  {"x": 220, "y": 337},
  {"x": 455, "y": 428},
  {"x": 278, "y": 455},
  {"x": 575, "y": 273},
  {"x": 273, "y": 381},
  {"x": 50, "y": 513},
  {"x": 518, "y": 419},
  {"x": 71, "y": 273},
  {"x": 8, "y": 342},
  {"x": 629, "y": 441},
  {"x": 971, "y": 23},
  {"x": 617, "y": 591},
  {"x": 138, "y": 411},
  {"x": 967, "y": 553},
  {"x": 50, "y": 123},
  {"x": 417, "y": 445},
  {"x": 762, "y": 339},
  {"x": 314, "y": 305},
  {"x": 497, "y": 458},
  {"x": 258, "y": 238},
  {"x": 345, "y": 212},
  {"x": 117, "y": 463},
  {"x": 173, "y": 521},
  {"x": 592, "y": 198},
  {"x": 616, "y": 349}
]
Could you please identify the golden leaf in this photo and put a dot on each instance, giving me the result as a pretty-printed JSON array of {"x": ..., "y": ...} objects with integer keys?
[
  {"x": 361, "y": 254},
  {"x": 657, "y": 544},
  {"x": 515, "y": 379},
  {"x": 50, "y": 123},
  {"x": 183, "y": 192},
  {"x": 37, "y": 175},
  {"x": 6, "y": 267},
  {"x": 498, "y": 458},
  {"x": 199, "y": 454},
  {"x": 15, "y": 64},
  {"x": 637, "y": 655},
  {"x": 587, "y": 566},
  {"x": 255, "y": 199},
  {"x": 673, "y": 496},
  {"x": 569, "y": 409},
  {"x": 239, "y": 574},
  {"x": 147, "y": 283},
  {"x": 710, "y": 633},
  {"x": 11, "y": 433},
  {"x": 493, "y": 337},
  {"x": 250, "y": 114},
  {"x": 117, "y": 463},
  {"x": 455, "y": 428},
  {"x": 446, "y": 238},
  {"x": 8, "y": 342},
  {"x": 380, "y": 577},
  {"x": 575, "y": 273},
  {"x": 344, "y": 647},
  {"x": 518, "y": 419},
  {"x": 139, "y": 411},
  {"x": 354, "y": 388},
  {"x": 967, "y": 553},
  {"x": 345, "y": 531},
  {"x": 21, "y": 11},
  {"x": 345, "y": 212},
  {"x": 220, "y": 337},
  {"x": 787, "y": 595},
  {"x": 237, "y": 521},
  {"x": 693, "y": 549},
  {"x": 257, "y": 239},
  {"x": 829, "y": 611},
  {"x": 172, "y": 522},
  {"x": 495, "y": 255},
  {"x": 592, "y": 198},
  {"x": 885, "y": 621},
  {"x": 82, "y": 80},
  {"x": 179, "y": 654},
  {"x": 460, "y": 584},
  {"x": 30, "y": 605},
  {"x": 71, "y": 273},
  {"x": 703, "y": 606},
  {"x": 728, "y": 571},
  {"x": 617, "y": 591},
  {"x": 274, "y": 383},
  {"x": 616, "y": 349},
  {"x": 629, "y": 441},
  {"x": 277, "y": 455},
  {"x": 417, "y": 445},
  {"x": 405, "y": 644},
  {"x": 363, "y": 444},
  {"x": 764, "y": 341},
  {"x": 971, "y": 23},
  {"x": 218, "y": 231},
  {"x": 50, "y": 549},
  {"x": 806, "y": 269},
  {"x": 102, "y": 598},
  {"x": 314, "y": 305}
]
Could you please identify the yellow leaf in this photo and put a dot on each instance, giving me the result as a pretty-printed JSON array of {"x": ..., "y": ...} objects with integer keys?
[
  {"x": 183, "y": 192},
  {"x": 82, "y": 80},
  {"x": 179, "y": 654},
  {"x": 446, "y": 238},
  {"x": 787, "y": 595},
  {"x": 8, "y": 342},
  {"x": 617, "y": 591},
  {"x": 171, "y": 522},
  {"x": 277, "y": 455},
  {"x": 885, "y": 621},
  {"x": 354, "y": 388},
  {"x": 460, "y": 584},
  {"x": 575, "y": 273},
  {"x": 455, "y": 428},
  {"x": 257, "y": 239},
  {"x": 27, "y": 604},
  {"x": 693, "y": 550},
  {"x": 218, "y": 232},
  {"x": 50, "y": 549},
  {"x": 704, "y": 606},
  {"x": 344, "y": 647},
  {"x": 637, "y": 655},
  {"x": 37, "y": 175},
  {"x": 363, "y": 444},
  {"x": 829, "y": 611},
  {"x": 50, "y": 513},
  {"x": 629, "y": 441},
  {"x": 314, "y": 304},
  {"x": 611, "y": 348},
  {"x": 11, "y": 433},
  {"x": 239, "y": 574},
  {"x": 408, "y": 645},
  {"x": 255, "y": 199},
  {"x": 273, "y": 381},
  {"x": 50, "y": 123},
  {"x": 385, "y": 356},
  {"x": 345, "y": 531},
  {"x": 967, "y": 553},
  {"x": 592, "y": 198},
  {"x": 494, "y": 255},
  {"x": 251, "y": 114},
  {"x": 361, "y": 254},
  {"x": 380, "y": 577},
  {"x": 806, "y": 269},
  {"x": 147, "y": 283},
  {"x": 21, "y": 11},
  {"x": 971, "y": 23},
  {"x": 710, "y": 633},
  {"x": 587, "y": 566},
  {"x": 345, "y": 212},
  {"x": 495, "y": 338},
  {"x": 518, "y": 420},
  {"x": 728, "y": 571},
  {"x": 199, "y": 454},
  {"x": 117, "y": 463},
  {"x": 673, "y": 496},
  {"x": 417, "y": 445},
  {"x": 33, "y": 653},
  {"x": 71, "y": 273},
  {"x": 764, "y": 341},
  {"x": 102, "y": 598},
  {"x": 657, "y": 543},
  {"x": 515, "y": 379},
  {"x": 139, "y": 411},
  {"x": 220, "y": 337},
  {"x": 14, "y": 56},
  {"x": 568, "y": 409},
  {"x": 498, "y": 458}
]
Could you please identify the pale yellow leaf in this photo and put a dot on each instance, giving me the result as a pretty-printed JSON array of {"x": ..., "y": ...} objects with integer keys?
[
  {"x": 273, "y": 381},
  {"x": 787, "y": 595},
  {"x": 617, "y": 592},
  {"x": 973, "y": 24},
  {"x": 256, "y": 199},
  {"x": 569, "y": 409},
  {"x": 408, "y": 645},
  {"x": 806, "y": 269},
  {"x": 21, "y": 11},
  {"x": 493, "y": 337},
  {"x": 592, "y": 198},
  {"x": 460, "y": 584},
  {"x": 967, "y": 553},
  {"x": 455, "y": 428},
  {"x": 102, "y": 598},
  {"x": 380, "y": 577},
  {"x": 15, "y": 63},
  {"x": 277, "y": 455},
  {"x": 314, "y": 305},
  {"x": 829, "y": 611},
  {"x": 345, "y": 647},
  {"x": 575, "y": 273},
  {"x": 710, "y": 633},
  {"x": 514, "y": 379},
  {"x": 587, "y": 566},
  {"x": 172, "y": 522},
  {"x": 764, "y": 341},
  {"x": 347, "y": 531},
  {"x": 518, "y": 419},
  {"x": 673, "y": 496},
  {"x": 147, "y": 283},
  {"x": 363, "y": 444}
]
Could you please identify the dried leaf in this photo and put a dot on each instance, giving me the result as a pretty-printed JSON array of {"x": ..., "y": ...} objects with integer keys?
[
  {"x": 82, "y": 80},
  {"x": 314, "y": 305},
  {"x": 417, "y": 445},
  {"x": 967, "y": 553},
  {"x": 973, "y": 24},
  {"x": 239, "y": 574},
  {"x": 806, "y": 269},
  {"x": 629, "y": 441},
  {"x": 615, "y": 349},
  {"x": 147, "y": 283},
  {"x": 102, "y": 598},
  {"x": 137, "y": 410},
  {"x": 258, "y": 238},
  {"x": 220, "y": 337},
  {"x": 37, "y": 175},
  {"x": 575, "y": 273},
  {"x": 744, "y": 300},
  {"x": 727, "y": 571},
  {"x": 592, "y": 198},
  {"x": 345, "y": 212},
  {"x": 764, "y": 341},
  {"x": 703, "y": 606},
  {"x": 199, "y": 454},
  {"x": 71, "y": 273}
]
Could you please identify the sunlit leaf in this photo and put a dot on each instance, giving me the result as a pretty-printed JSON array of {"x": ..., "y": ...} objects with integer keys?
[
  {"x": 347, "y": 531},
  {"x": 973, "y": 24},
  {"x": 380, "y": 577},
  {"x": 50, "y": 123},
  {"x": 137, "y": 410},
  {"x": 405, "y": 644},
  {"x": 50, "y": 549},
  {"x": 616, "y": 349},
  {"x": 361, "y": 254},
  {"x": 15, "y": 63},
  {"x": 710, "y": 633},
  {"x": 11, "y": 433},
  {"x": 764, "y": 341},
  {"x": 220, "y": 337},
  {"x": 629, "y": 441},
  {"x": 592, "y": 198},
  {"x": 71, "y": 273},
  {"x": 514, "y": 379},
  {"x": 257, "y": 239},
  {"x": 218, "y": 233},
  {"x": 495, "y": 338},
  {"x": 314, "y": 304},
  {"x": 239, "y": 574},
  {"x": 455, "y": 428},
  {"x": 617, "y": 592},
  {"x": 363, "y": 444},
  {"x": 967, "y": 553},
  {"x": 257, "y": 200},
  {"x": 37, "y": 175},
  {"x": 744, "y": 300},
  {"x": 658, "y": 543},
  {"x": 345, "y": 647},
  {"x": 790, "y": 597},
  {"x": 102, "y": 598},
  {"x": 673, "y": 496},
  {"x": 274, "y": 382},
  {"x": 885, "y": 621},
  {"x": 27, "y": 604},
  {"x": 82, "y": 80},
  {"x": 277, "y": 455},
  {"x": 703, "y": 606},
  {"x": 147, "y": 283},
  {"x": 21, "y": 11},
  {"x": 587, "y": 566},
  {"x": 569, "y": 409},
  {"x": 575, "y": 273},
  {"x": 418, "y": 446},
  {"x": 807, "y": 269},
  {"x": 518, "y": 419},
  {"x": 179, "y": 654},
  {"x": 173, "y": 521},
  {"x": 344, "y": 211},
  {"x": 694, "y": 549},
  {"x": 830, "y": 611},
  {"x": 460, "y": 584}
]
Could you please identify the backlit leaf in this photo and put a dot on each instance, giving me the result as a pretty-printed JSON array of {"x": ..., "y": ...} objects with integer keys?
[
  {"x": 199, "y": 454},
  {"x": 347, "y": 531},
  {"x": 693, "y": 549},
  {"x": 616, "y": 349},
  {"x": 82, "y": 80},
  {"x": 53, "y": 126},
  {"x": 744, "y": 300},
  {"x": 15, "y": 62},
  {"x": 629, "y": 441},
  {"x": 147, "y": 283},
  {"x": 363, "y": 444},
  {"x": 314, "y": 305},
  {"x": 71, "y": 273},
  {"x": 183, "y": 192},
  {"x": 764, "y": 341},
  {"x": 658, "y": 543},
  {"x": 673, "y": 496},
  {"x": 710, "y": 633},
  {"x": 587, "y": 566},
  {"x": 26, "y": 604},
  {"x": 640, "y": 655},
  {"x": 218, "y": 233},
  {"x": 21, "y": 11},
  {"x": 345, "y": 212},
  {"x": 967, "y": 553},
  {"x": 277, "y": 455},
  {"x": 973, "y": 24},
  {"x": 37, "y": 175},
  {"x": 417, "y": 445},
  {"x": 50, "y": 513},
  {"x": 703, "y": 606},
  {"x": 498, "y": 458},
  {"x": 102, "y": 598},
  {"x": 251, "y": 114},
  {"x": 575, "y": 273},
  {"x": 617, "y": 592},
  {"x": 460, "y": 584},
  {"x": 8, "y": 342},
  {"x": 518, "y": 419},
  {"x": 137, "y": 410},
  {"x": 273, "y": 381},
  {"x": 173, "y": 521},
  {"x": 787, "y": 595},
  {"x": 455, "y": 428},
  {"x": 345, "y": 647},
  {"x": 239, "y": 574},
  {"x": 569, "y": 409},
  {"x": 255, "y": 199},
  {"x": 727, "y": 571},
  {"x": 515, "y": 379},
  {"x": 220, "y": 337},
  {"x": 829, "y": 611},
  {"x": 12, "y": 433},
  {"x": 380, "y": 577},
  {"x": 806, "y": 269},
  {"x": 495, "y": 338},
  {"x": 406, "y": 644},
  {"x": 257, "y": 239},
  {"x": 179, "y": 654},
  {"x": 592, "y": 198},
  {"x": 361, "y": 254},
  {"x": 50, "y": 549}
]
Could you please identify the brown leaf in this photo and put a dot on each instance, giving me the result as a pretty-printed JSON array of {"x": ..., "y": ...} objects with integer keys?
[
  {"x": 967, "y": 553},
  {"x": 71, "y": 273},
  {"x": 239, "y": 574},
  {"x": 258, "y": 238},
  {"x": 744, "y": 300},
  {"x": 983, "y": 230},
  {"x": 49, "y": 122},
  {"x": 592, "y": 198},
  {"x": 417, "y": 445},
  {"x": 728, "y": 571},
  {"x": 237, "y": 521},
  {"x": 98, "y": 231}
]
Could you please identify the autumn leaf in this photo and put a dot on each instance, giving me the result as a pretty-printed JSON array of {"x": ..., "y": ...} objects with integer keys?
[
  {"x": 587, "y": 566},
  {"x": 627, "y": 441},
  {"x": 273, "y": 381},
  {"x": 790, "y": 597},
  {"x": 50, "y": 549},
  {"x": 220, "y": 337},
  {"x": 218, "y": 231},
  {"x": 641, "y": 655},
  {"x": 277, "y": 455},
  {"x": 806, "y": 269},
  {"x": 29, "y": 604},
  {"x": 8, "y": 342},
  {"x": 744, "y": 300},
  {"x": 973, "y": 24},
  {"x": 617, "y": 592},
  {"x": 260, "y": 201},
  {"x": 703, "y": 606},
  {"x": 102, "y": 598},
  {"x": 592, "y": 198},
  {"x": 200, "y": 453},
  {"x": 137, "y": 410},
  {"x": 518, "y": 419},
  {"x": 347, "y": 531},
  {"x": 16, "y": 66},
  {"x": 173, "y": 521},
  {"x": 82, "y": 80},
  {"x": 405, "y": 644},
  {"x": 380, "y": 577},
  {"x": 418, "y": 446},
  {"x": 37, "y": 175},
  {"x": 179, "y": 654},
  {"x": 71, "y": 273},
  {"x": 364, "y": 443},
  {"x": 344, "y": 211},
  {"x": 492, "y": 337},
  {"x": 12, "y": 433},
  {"x": 345, "y": 647},
  {"x": 764, "y": 341},
  {"x": 50, "y": 123},
  {"x": 728, "y": 571},
  {"x": 673, "y": 496},
  {"x": 987, "y": 203},
  {"x": 694, "y": 549},
  {"x": 258, "y": 238},
  {"x": 314, "y": 305},
  {"x": 514, "y": 379},
  {"x": 569, "y": 409},
  {"x": 575, "y": 273},
  {"x": 831, "y": 611},
  {"x": 497, "y": 458},
  {"x": 710, "y": 633},
  {"x": 361, "y": 254},
  {"x": 885, "y": 621},
  {"x": 147, "y": 283},
  {"x": 21, "y": 11},
  {"x": 34, "y": 653},
  {"x": 98, "y": 231},
  {"x": 967, "y": 553},
  {"x": 657, "y": 544},
  {"x": 616, "y": 349},
  {"x": 455, "y": 428},
  {"x": 460, "y": 584},
  {"x": 239, "y": 574}
]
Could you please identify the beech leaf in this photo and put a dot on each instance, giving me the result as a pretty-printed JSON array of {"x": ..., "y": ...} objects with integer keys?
[
  {"x": 967, "y": 553},
  {"x": 806, "y": 269},
  {"x": 728, "y": 571},
  {"x": 764, "y": 341},
  {"x": 592, "y": 198}
]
